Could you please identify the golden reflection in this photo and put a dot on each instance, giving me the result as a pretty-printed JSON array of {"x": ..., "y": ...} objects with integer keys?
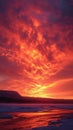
[{"x": 30, "y": 120}]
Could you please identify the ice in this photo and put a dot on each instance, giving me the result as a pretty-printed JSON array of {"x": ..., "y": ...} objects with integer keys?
[
  {"x": 31, "y": 107},
  {"x": 36, "y": 116},
  {"x": 5, "y": 116}
]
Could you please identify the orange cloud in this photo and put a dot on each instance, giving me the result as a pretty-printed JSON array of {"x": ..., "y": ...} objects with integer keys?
[{"x": 35, "y": 44}]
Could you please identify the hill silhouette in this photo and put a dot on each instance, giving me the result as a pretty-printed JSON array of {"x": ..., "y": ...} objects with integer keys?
[{"x": 14, "y": 97}]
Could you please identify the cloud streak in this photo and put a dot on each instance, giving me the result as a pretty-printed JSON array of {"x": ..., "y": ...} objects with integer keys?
[{"x": 36, "y": 43}]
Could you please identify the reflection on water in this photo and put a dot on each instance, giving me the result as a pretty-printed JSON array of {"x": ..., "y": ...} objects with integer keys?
[{"x": 31, "y": 120}]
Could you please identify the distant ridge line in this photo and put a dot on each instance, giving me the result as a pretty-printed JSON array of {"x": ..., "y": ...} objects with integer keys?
[{"x": 7, "y": 96}]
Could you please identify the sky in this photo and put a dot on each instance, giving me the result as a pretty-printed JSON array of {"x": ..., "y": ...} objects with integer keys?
[{"x": 36, "y": 47}]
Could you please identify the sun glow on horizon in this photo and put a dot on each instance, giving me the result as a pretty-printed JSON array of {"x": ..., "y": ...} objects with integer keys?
[{"x": 36, "y": 48}]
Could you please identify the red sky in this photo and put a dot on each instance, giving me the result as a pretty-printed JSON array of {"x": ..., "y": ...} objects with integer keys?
[{"x": 36, "y": 47}]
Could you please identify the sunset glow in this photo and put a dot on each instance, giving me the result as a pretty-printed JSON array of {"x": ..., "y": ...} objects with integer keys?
[{"x": 36, "y": 47}]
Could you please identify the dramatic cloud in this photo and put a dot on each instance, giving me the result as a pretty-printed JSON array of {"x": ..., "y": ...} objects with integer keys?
[{"x": 36, "y": 47}]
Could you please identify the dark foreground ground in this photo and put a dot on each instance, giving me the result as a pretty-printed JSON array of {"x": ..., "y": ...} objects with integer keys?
[{"x": 36, "y": 117}]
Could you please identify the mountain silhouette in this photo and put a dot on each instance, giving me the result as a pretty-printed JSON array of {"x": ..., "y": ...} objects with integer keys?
[{"x": 7, "y": 96}]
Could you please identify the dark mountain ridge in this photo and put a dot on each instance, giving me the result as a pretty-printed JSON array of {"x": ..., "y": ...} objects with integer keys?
[
  {"x": 14, "y": 97},
  {"x": 6, "y": 93}
]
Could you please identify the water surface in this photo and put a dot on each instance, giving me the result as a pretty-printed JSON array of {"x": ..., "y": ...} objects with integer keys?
[{"x": 36, "y": 117}]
